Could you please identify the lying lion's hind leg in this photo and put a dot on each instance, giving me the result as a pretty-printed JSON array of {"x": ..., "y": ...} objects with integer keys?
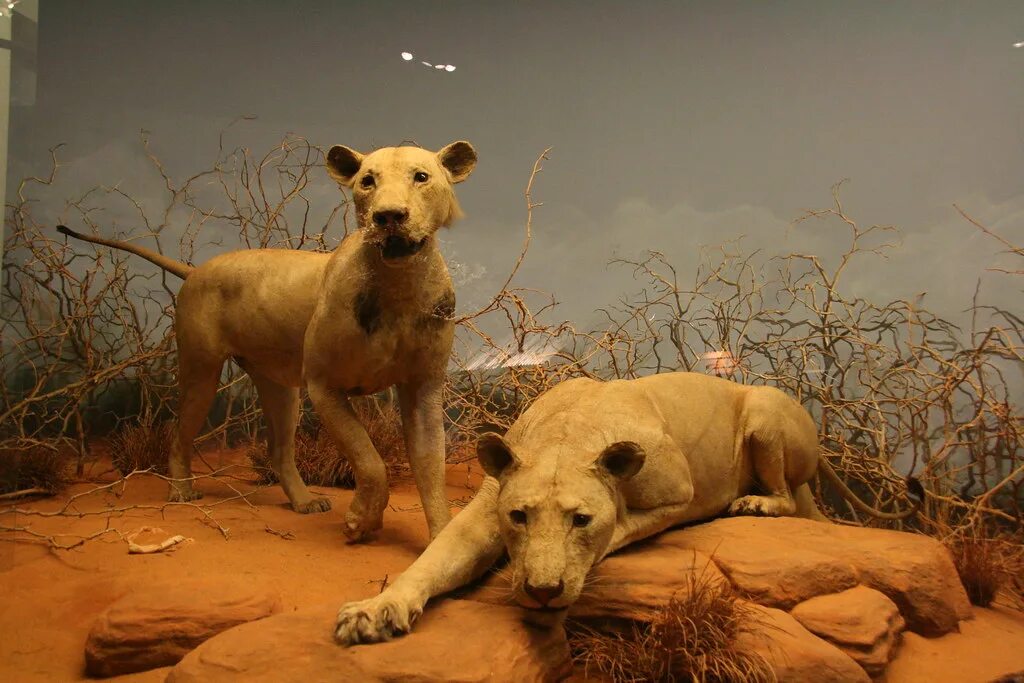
[
  {"x": 806, "y": 506},
  {"x": 281, "y": 411},
  {"x": 197, "y": 385},
  {"x": 767, "y": 453}
]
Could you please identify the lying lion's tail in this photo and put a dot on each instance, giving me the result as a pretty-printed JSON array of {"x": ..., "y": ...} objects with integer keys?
[
  {"x": 178, "y": 268},
  {"x": 913, "y": 485}
]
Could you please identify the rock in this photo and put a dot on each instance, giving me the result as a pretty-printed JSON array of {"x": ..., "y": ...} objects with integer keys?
[
  {"x": 159, "y": 625},
  {"x": 782, "y": 562},
  {"x": 860, "y": 621},
  {"x": 454, "y": 640},
  {"x": 795, "y": 654},
  {"x": 630, "y": 584},
  {"x": 635, "y": 582}
]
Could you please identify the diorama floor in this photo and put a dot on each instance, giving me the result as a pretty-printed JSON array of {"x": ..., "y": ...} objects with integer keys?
[{"x": 50, "y": 598}]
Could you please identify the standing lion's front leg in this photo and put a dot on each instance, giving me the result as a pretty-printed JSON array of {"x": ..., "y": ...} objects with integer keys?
[
  {"x": 463, "y": 551},
  {"x": 423, "y": 426}
]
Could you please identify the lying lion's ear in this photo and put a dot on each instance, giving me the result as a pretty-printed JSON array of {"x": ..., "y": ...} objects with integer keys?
[
  {"x": 459, "y": 158},
  {"x": 343, "y": 164},
  {"x": 495, "y": 456},
  {"x": 622, "y": 460}
]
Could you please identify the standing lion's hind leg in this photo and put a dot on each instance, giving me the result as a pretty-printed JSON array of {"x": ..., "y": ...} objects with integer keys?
[
  {"x": 197, "y": 385},
  {"x": 767, "y": 452},
  {"x": 281, "y": 411}
]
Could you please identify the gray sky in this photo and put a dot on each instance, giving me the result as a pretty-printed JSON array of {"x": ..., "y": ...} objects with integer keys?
[{"x": 674, "y": 124}]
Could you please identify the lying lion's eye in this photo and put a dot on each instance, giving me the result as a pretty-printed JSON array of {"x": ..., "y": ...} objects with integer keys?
[
  {"x": 580, "y": 520},
  {"x": 517, "y": 516},
  {"x": 420, "y": 177},
  {"x": 367, "y": 181}
]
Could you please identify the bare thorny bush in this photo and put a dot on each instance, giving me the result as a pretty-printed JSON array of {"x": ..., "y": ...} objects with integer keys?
[
  {"x": 895, "y": 388},
  {"x": 703, "y": 634}
]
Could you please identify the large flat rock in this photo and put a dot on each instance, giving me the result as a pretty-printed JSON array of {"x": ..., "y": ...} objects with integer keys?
[
  {"x": 629, "y": 585},
  {"x": 159, "y": 625},
  {"x": 454, "y": 640},
  {"x": 782, "y": 562}
]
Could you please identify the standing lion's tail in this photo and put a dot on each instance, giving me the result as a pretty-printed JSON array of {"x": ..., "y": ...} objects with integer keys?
[
  {"x": 913, "y": 486},
  {"x": 178, "y": 268}
]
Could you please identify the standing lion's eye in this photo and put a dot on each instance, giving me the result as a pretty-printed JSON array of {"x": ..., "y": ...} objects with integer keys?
[
  {"x": 580, "y": 520},
  {"x": 517, "y": 516},
  {"x": 420, "y": 177},
  {"x": 367, "y": 181}
]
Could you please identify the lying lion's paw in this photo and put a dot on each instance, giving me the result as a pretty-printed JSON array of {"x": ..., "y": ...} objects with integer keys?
[
  {"x": 375, "y": 620},
  {"x": 763, "y": 506}
]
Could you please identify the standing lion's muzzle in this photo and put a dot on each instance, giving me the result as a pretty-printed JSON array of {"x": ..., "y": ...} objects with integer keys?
[{"x": 395, "y": 247}]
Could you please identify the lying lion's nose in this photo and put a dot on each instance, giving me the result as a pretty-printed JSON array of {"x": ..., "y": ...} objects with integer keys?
[
  {"x": 389, "y": 217},
  {"x": 544, "y": 594}
]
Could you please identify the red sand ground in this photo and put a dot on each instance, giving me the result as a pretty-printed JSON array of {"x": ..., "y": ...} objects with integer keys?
[{"x": 51, "y": 598}]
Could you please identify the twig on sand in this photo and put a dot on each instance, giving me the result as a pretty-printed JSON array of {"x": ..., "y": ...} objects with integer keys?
[{"x": 286, "y": 535}]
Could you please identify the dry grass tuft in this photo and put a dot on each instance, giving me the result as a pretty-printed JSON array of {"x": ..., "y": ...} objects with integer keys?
[
  {"x": 318, "y": 460},
  {"x": 36, "y": 467},
  {"x": 989, "y": 565},
  {"x": 692, "y": 638},
  {"x": 142, "y": 447},
  {"x": 384, "y": 425}
]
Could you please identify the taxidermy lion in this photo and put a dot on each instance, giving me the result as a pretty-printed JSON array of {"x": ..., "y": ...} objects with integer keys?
[
  {"x": 593, "y": 466},
  {"x": 375, "y": 313}
]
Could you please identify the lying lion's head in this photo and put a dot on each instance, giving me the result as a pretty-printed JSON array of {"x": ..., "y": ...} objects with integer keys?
[
  {"x": 402, "y": 194},
  {"x": 557, "y": 515}
]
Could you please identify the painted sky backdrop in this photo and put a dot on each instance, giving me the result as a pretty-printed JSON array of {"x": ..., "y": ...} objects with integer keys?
[{"x": 673, "y": 124}]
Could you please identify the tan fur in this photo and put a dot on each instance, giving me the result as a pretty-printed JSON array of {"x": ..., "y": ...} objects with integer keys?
[
  {"x": 632, "y": 458},
  {"x": 373, "y": 314}
]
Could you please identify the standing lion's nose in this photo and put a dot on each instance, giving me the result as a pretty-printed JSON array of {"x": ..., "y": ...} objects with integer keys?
[
  {"x": 392, "y": 218},
  {"x": 544, "y": 594}
]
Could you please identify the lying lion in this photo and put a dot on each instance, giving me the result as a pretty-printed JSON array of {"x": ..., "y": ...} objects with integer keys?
[
  {"x": 593, "y": 466},
  {"x": 375, "y": 313}
]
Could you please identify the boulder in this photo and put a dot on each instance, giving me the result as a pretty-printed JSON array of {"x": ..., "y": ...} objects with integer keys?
[
  {"x": 795, "y": 654},
  {"x": 629, "y": 585},
  {"x": 785, "y": 561},
  {"x": 455, "y": 640},
  {"x": 160, "y": 624},
  {"x": 860, "y": 621},
  {"x": 635, "y": 582}
]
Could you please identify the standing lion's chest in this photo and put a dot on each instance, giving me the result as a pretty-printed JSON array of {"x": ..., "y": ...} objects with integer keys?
[{"x": 386, "y": 341}]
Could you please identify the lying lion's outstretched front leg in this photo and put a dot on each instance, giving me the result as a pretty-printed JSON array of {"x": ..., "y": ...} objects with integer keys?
[{"x": 464, "y": 550}]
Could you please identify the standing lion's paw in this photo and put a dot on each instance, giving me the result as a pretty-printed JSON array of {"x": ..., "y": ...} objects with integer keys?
[
  {"x": 183, "y": 494},
  {"x": 375, "y": 620},
  {"x": 317, "y": 504},
  {"x": 362, "y": 521}
]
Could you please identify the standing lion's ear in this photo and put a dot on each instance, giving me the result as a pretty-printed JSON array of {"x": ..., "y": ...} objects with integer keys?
[
  {"x": 495, "y": 455},
  {"x": 343, "y": 163},
  {"x": 622, "y": 460},
  {"x": 459, "y": 159}
]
